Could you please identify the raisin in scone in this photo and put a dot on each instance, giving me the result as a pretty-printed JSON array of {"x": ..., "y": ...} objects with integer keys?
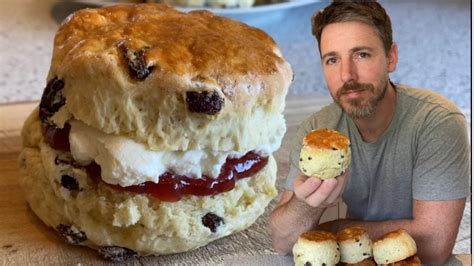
[{"x": 155, "y": 131}]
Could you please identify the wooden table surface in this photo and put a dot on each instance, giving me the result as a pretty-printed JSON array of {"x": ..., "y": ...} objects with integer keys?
[{"x": 25, "y": 240}]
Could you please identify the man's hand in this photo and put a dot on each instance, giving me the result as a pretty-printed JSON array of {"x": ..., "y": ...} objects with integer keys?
[
  {"x": 318, "y": 193},
  {"x": 300, "y": 211}
]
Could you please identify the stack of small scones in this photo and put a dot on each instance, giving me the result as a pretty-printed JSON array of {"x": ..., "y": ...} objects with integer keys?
[{"x": 352, "y": 246}]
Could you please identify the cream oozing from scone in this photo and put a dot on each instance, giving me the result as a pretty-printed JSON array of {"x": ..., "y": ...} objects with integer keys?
[{"x": 126, "y": 162}]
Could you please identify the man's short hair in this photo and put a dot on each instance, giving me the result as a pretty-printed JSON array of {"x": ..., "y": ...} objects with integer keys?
[{"x": 365, "y": 11}]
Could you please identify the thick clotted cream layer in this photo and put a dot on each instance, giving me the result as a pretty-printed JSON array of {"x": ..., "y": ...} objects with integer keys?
[{"x": 126, "y": 162}]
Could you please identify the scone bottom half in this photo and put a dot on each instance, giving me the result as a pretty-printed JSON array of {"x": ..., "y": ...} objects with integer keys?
[{"x": 178, "y": 213}]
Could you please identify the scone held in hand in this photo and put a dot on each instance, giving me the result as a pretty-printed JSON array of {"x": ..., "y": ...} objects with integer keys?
[
  {"x": 316, "y": 248},
  {"x": 325, "y": 153}
]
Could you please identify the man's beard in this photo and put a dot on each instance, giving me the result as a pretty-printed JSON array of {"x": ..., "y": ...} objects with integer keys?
[{"x": 358, "y": 108}]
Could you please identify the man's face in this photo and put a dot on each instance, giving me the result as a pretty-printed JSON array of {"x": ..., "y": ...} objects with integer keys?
[{"x": 355, "y": 66}]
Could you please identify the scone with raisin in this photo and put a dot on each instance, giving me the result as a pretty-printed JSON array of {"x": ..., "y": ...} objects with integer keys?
[
  {"x": 156, "y": 129},
  {"x": 325, "y": 153},
  {"x": 316, "y": 248},
  {"x": 396, "y": 247},
  {"x": 355, "y": 245}
]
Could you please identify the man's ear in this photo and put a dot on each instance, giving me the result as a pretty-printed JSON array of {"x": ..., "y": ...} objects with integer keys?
[{"x": 392, "y": 57}]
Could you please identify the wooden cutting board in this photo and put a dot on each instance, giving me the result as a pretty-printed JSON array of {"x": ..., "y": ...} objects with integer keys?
[{"x": 25, "y": 240}]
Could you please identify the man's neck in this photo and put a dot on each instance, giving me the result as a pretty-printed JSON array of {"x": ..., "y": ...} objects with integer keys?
[{"x": 373, "y": 126}]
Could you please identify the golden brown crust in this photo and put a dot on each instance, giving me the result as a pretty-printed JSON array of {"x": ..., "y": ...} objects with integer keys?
[
  {"x": 391, "y": 235},
  {"x": 350, "y": 233},
  {"x": 169, "y": 79},
  {"x": 177, "y": 42},
  {"x": 326, "y": 139},
  {"x": 318, "y": 236}
]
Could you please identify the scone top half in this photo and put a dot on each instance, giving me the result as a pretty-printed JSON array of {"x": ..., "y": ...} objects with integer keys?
[
  {"x": 350, "y": 233},
  {"x": 325, "y": 138},
  {"x": 173, "y": 81}
]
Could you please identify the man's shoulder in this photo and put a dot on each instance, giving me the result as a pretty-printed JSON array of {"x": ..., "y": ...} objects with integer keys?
[
  {"x": 327, "y": 116},
  {"x": 332, "y": 110},
  {"x": 425, "y": 99}
]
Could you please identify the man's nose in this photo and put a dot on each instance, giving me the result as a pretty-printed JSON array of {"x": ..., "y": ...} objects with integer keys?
[{"x": 348, "y": 71}]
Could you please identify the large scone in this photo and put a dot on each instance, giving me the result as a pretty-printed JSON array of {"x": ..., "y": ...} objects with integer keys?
[
  {"x": 355, "y": 245},
  {"x": 155, "y": 131},
  {"x": 393, "y": 247},
  {"x": 325, "y": 153},
  {"x": 316, "y": 248},
  {"x": 172, "y": 80}
]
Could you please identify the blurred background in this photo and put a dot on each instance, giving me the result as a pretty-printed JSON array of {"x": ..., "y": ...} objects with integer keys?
[{"x": 433, "y": 37}]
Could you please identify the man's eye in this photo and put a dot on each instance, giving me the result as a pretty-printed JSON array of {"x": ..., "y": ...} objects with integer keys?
[
  {"x": 363, "y": 55},
  {"x": 331, "y": 61}
]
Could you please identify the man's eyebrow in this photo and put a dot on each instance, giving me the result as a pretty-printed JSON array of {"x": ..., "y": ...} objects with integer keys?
[
  {"x": 328, "y": 54},
  {"x": 353, "y": 50},
  {"x": 360, "y": 48}
]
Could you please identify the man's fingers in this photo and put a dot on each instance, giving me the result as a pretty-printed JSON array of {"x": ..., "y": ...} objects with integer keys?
[
  {"x": 318, "y": 199},
  {"x": 341, "y": 184},
  {"x": 318, "y": 193},
  {"x": 299, "y": 179},
  {"x": 304, "y": 186}
]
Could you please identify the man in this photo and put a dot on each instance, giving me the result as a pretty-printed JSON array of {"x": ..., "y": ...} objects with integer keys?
[{"x": 410, "y": 151}]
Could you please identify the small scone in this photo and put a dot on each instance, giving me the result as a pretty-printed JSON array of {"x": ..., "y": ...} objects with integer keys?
[
  {"x": 316, "y": 248},
  {"x": 325, "y": 153},
  {"x": 394, "y": 246},
  {"x": 355, "y": 244}
]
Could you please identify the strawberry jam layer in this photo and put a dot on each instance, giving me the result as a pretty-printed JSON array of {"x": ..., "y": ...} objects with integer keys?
[
  {"x": 171, "y": 187},
  {"x": 57, "y": 138}
]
